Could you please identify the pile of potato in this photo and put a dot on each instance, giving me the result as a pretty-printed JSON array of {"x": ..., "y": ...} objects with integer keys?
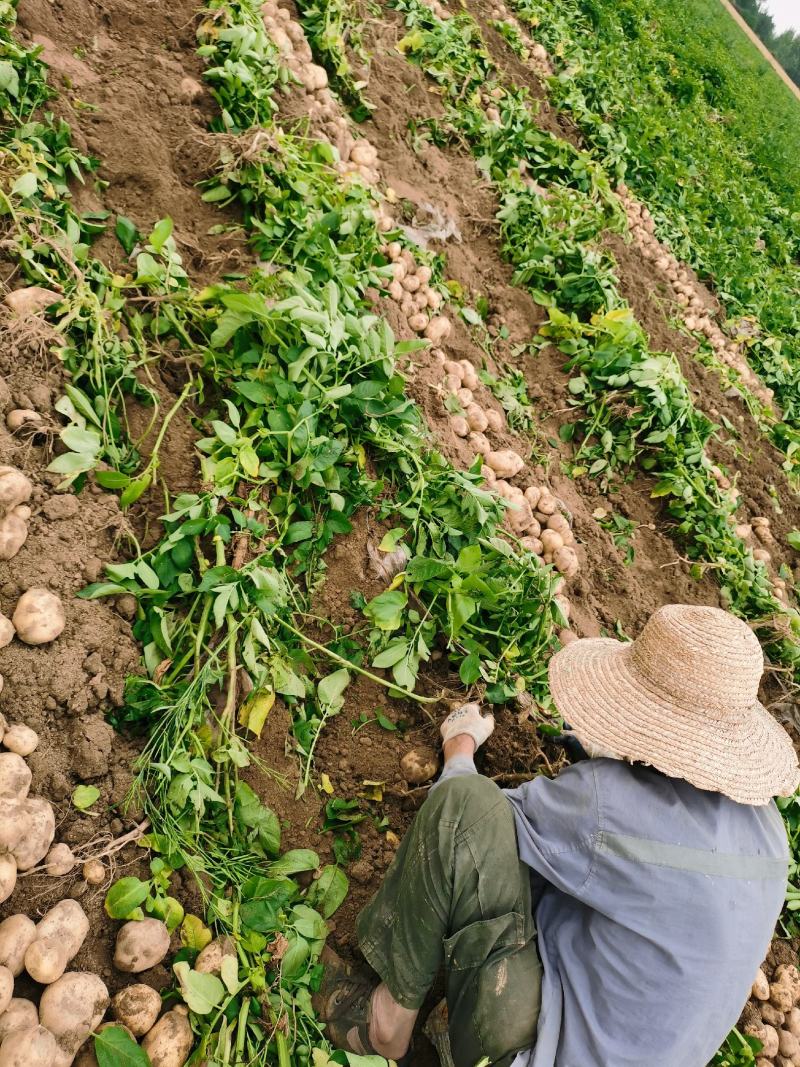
[
  {"x": 688, "y": 294},
  {"x": 758, "y": 532},
  {"x": 775, "y": 1003},
  {"x": 73, "y": 1003},
  {"x": 419, "y": 301}
]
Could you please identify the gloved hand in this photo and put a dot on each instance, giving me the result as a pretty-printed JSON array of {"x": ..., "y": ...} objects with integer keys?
[{"x": 468, "y": 720}]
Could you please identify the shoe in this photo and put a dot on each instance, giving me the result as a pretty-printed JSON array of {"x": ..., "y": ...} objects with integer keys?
[
  {"x": 343, "y": 1004},
  {"x": 468, "y": 720}
]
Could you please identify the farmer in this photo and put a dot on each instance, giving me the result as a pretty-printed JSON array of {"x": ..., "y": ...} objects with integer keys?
[{"x": 614, "y": 916}]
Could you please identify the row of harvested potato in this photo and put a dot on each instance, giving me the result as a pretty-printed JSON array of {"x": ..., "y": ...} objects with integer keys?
[{"x": 689, "y": 294}]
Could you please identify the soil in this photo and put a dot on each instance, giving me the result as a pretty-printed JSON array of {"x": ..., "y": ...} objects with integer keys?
[{"x": 121, "y": 69}]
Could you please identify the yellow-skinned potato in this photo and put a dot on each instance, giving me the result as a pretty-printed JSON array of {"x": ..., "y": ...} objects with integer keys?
[
  {"x": 170, "y": 1041},
  {"x": 532, "y": 495},
  {"x": 28, "y": 1048},
  {"x": 476, "y": 417},
  {"x": 35, "y": 846},
  {"x": 15, "y": 776},
  {"x": 20, "y": 739},
  {"x": 505, "y": 463},
  {"x": 46, "y": 960},
  {"x": 65, "y": 922},
  {"x": 138, "y": 1006},
  {"x": 6, "y": 988},
  {"x": 552, "y": 540},
  {"x": 19, "y": 1015},
  {"x": 16, "y": 934},
  {"x": 494, "y": 420},
  {"x": 13, "y": 535},
  {"x": 14, "y": 824},
  {"x": 15, "y": 489},
  {"x": 210, "y": 959},
  {"x": 8, "y": 876},
  {"x": 71, "y": 1008},
  {"x": 60, "y": 860},
  {"x": 141, "y": 945},
  {"x": 38, "y": 617}
]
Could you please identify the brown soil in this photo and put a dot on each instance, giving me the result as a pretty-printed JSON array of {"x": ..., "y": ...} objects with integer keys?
[{"x": 127, "y": 61}]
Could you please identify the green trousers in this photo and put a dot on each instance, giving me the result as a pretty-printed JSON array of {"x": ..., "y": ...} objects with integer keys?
[{"x": 458, "y": 896}]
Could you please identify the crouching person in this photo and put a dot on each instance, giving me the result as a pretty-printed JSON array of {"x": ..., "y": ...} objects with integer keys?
[{"x": 614, "y": 916}]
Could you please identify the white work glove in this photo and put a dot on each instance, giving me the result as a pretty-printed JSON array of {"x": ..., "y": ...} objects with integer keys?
[{"x": 468, "y": 720}]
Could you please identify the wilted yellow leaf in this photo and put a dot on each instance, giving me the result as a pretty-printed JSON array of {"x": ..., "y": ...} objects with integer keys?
[
  {"x": 325, "y": 782},
  {"x": 253, "y": 713}
]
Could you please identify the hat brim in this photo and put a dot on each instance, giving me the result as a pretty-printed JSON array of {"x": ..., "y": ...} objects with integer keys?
[{"x": 608, "y": 703}]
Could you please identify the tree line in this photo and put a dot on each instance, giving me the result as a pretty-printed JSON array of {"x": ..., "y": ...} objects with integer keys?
[{"x": 784, "y": 46}]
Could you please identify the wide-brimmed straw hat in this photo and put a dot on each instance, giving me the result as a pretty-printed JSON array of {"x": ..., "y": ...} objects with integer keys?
[{"x": 683, "y": 698}]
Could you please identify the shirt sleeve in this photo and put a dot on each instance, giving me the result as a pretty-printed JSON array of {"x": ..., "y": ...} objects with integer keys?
[{"x": 558, "y": 825}]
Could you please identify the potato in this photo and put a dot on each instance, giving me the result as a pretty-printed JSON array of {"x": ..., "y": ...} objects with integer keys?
[
  {"x": 38, "y": 617},
  {"x": 494, "y": 420},
  {"x": 138, "y": 1006},
  {"x": 46, "y": 960},
  {"x": 479, "y": 443},
  {"x": 781, "y": 995},
  {"x": 418, "y": 321},
  {"x": 170, "y": 1041},
  {"x": 771, "y": 1015},
  {"x": 20, "y": 739},
  {"x": 6, "y": 631},
  {"x": 6, "y": 988},
  {"x": 35, "y": 1047},
  {"x": 532, "y": 544},
  {"x": 15, "y": 776},
  {"x": 411, "y": 283},
  {"x": 396, "y": 290},
  {"x": 94, "y": 872},
  {"x": 532, "y": 494},
  {"x": 559, "y": 523},
  {"x": 15, "y": 822},
  {"x": 476, "y": 417},
  {"x": 459, "y": 426},
  {"x": 452, "y": 366},
  {"x": 71, "y": 1009},
  {"x": 30, "y": 300},
  {"x": 419, "y": 765},
  {"x": 20, "y": 417},
  {"x": 60, "y": 860},
  {"x": 792, "y": 1021},
  {"x": 16, "y": 934},
  {"x": 36, "y": 844},
  {"x": 19, "y": 1015},
  {"x": 15, "y": 489},
  {"x": 469, "y": 376},
  {"x": 13, "y": 534},
  {"x": 488, "y": 475},
  {"x": 141, "y": 945},
  {"x": 464, "y": 397},
  {"x": 520, "y": 516},
  {"x": 566, "y": 560},
  {"x": 788, "y": 1045},
  {"x": 210, "y": 959},
  {"x": 552, "y": 540},
  {"x": 8, "y": 876},
  {"x": 438, "y": 329},
  {"x": 67, "y": 923},
  {"x": 768, "y": 1036},
  {"x": 548, "y": 505},
  {"x": 505, "y": 463}
]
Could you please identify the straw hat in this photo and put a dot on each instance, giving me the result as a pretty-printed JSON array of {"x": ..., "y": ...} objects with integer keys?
[{"x": 683, "y": 698}]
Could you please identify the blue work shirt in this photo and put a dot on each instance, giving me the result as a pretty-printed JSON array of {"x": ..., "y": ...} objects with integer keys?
[{"x": 656, "y": 902}]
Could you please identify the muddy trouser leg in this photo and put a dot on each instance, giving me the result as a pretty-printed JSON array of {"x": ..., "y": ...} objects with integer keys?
[{"x": 458, "y": 896}]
